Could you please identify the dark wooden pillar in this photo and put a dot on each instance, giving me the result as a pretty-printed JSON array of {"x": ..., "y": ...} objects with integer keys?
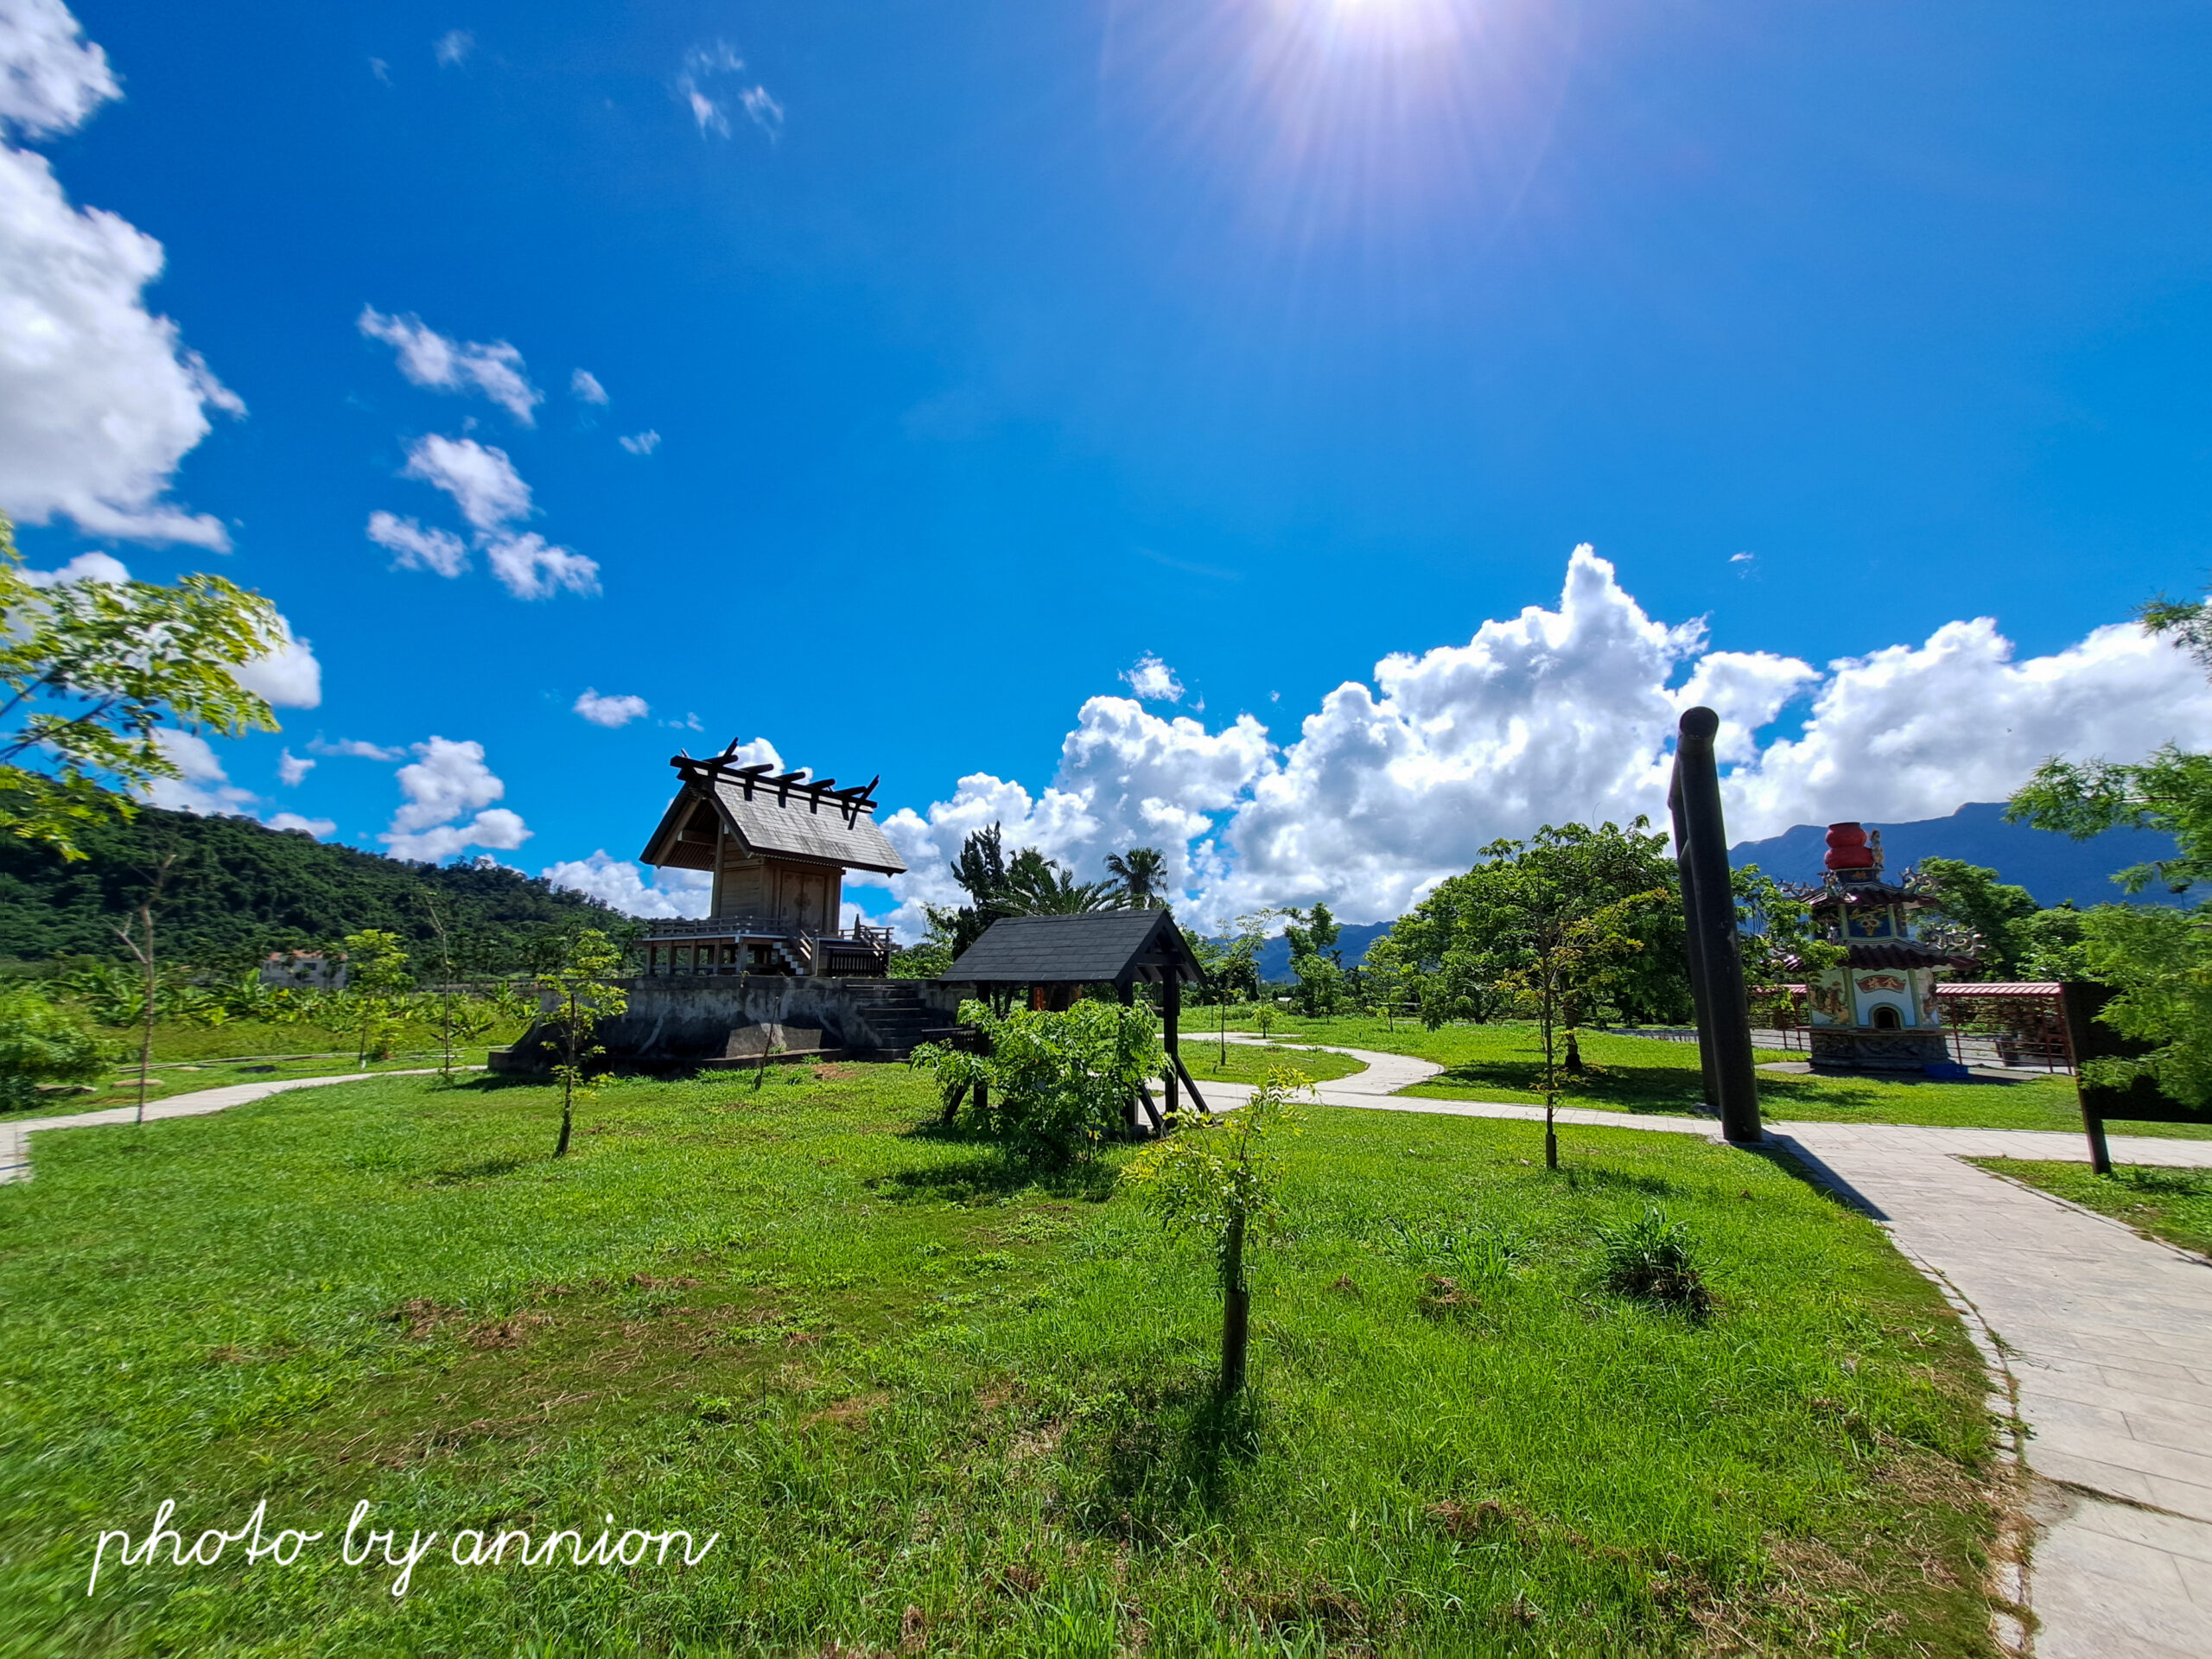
[
  {"x": 1171, "y": 1005},
  {"x": 1711, "y": 912},
  {"x": 1693, "y": 944}
]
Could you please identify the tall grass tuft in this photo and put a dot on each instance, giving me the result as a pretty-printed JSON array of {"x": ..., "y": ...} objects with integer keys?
[{"x": 1652, "y": 1260}]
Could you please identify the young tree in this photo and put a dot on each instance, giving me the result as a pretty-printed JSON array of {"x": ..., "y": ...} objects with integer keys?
[
  {"x": 93, "y": 671},
  {"x": 1222, "y": 1178},
  {"x": 2160, "y": 959},
  {"x": 579, "y": 989},
  {"x": 1780, "y": 941},
  {"x": 1314, "y": 958},
  {"x": 142, "y": 949},
  {"x": 1386, "y": 976},
  {"x": 1142, "y": 872},
  {"x": 376, "y": 981}
]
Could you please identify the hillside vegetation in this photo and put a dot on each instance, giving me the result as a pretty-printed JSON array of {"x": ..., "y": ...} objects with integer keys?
[{"x": 239, "y": 889}]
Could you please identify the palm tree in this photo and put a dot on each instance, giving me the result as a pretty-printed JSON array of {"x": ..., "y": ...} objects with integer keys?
[
  {"x": 1037, "y": 886},
  {"x": 1142, "y": 872}
]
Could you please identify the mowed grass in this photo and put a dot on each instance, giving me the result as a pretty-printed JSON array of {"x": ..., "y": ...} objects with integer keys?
[
  {"x": 2175, "y": 1205},
  {"x": 187, "y": 1059},
  {"x": 933, "y": 1404},
  {"x": 1504, "y": 1061}
]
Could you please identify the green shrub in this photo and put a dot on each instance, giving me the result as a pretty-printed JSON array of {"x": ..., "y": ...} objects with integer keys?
[
  {"x": 41, "y": 1044},
  {"x": 1056, "y": 1082}
]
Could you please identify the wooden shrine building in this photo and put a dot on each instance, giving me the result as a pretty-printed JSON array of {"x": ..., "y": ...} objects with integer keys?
[
  {"x": 778, "y": 846},
  {"x": 1055, "y": 957}
]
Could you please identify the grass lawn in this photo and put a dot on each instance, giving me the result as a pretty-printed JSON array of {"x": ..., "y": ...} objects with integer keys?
[
  {"x": 1505, "y": 1062},
  {"x": 1249, "y": 1062},
  {"x": 191, "y": 1058},
  {"x": 2175, "y": 1205},
  {"x": 932, "y": 1404}
]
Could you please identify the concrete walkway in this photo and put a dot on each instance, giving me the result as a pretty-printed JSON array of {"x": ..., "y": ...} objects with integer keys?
[
  {"x": 2104, "y": 1337},
  {"x": 16, "y": 1137}
]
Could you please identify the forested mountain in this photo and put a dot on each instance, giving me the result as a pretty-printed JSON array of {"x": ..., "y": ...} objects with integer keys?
[
  {"x": 2050, "y": 867},
  {"x": 239, "y": 889}
]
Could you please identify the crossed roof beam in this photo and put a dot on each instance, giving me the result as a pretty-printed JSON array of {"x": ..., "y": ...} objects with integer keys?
[{"x": 757, "y": 775}]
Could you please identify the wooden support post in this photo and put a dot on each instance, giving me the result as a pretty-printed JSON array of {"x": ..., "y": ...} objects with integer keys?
[
  {"x": 952, "y": 1103},
  {"x": 1728, "y": 1034},
  {"x": 1171, "y": 1003},
  {"x": 1197, "y": 1099}
]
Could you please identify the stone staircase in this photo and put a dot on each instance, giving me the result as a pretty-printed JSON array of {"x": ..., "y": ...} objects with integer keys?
[{"x": 891, "y": 1020}]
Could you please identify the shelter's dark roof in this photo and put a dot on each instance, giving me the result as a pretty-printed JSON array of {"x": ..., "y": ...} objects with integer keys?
[
  {"x": 1905, "y": 953},
  {"x": 1106, "y": 947}
]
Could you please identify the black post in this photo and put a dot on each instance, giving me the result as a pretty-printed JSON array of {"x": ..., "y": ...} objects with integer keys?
[
  {"x": 1728, "y": 1035},
  {"x": 2078, "y": 1003},
  {"x": 1694, "y": 942},
  {"x": 1171, "y": 1004}
]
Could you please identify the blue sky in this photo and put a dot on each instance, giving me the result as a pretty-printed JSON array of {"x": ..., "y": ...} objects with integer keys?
[{"x": 992, "y": 347}]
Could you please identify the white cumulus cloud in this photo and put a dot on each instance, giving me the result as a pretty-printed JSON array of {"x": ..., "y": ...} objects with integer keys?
[
  {"x": 432, "y": 359},
  {"x": 610, "y": 710},
  {"x": 99, "y": 398},
  {"x": 1557, "y": 715},
  {"x": 86, "y": 566},
  {"x": 641, "y": 443},
  {"x": 451, "y": 48},
  {"x": 446, "y": 783},
  {"x": 532, "y": 568},
  {"x": 292, "y": 769},
  {"x": 414, "y": 547},
  {"x": 584, "y": 387},
  {"x": 622, "y": 885},
  {"x": 316, "y": 827},
  {"x": 1153, "y": 680},
  {"x": 481, "y": 480},
  {"x": 205, "y": 788},
  {"x": 353, "y": 747}
]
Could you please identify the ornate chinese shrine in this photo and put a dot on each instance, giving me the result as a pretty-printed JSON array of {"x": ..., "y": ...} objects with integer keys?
[{"x": 1878, "y": 1012}]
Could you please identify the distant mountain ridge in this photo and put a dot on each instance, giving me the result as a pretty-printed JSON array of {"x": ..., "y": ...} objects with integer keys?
[{"x": 2050, "y": 867}]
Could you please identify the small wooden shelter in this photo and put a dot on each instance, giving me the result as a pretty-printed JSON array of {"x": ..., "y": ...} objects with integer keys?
[
  {"x": 778, "y": 845},
  {"x": 1055, "y": 957}
]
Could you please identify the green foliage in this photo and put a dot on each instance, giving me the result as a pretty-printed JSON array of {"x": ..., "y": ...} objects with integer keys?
[
  {"x": 41, "y": 1043},
  {"x": 2160, "y": 959},
  {"x": 1652, "y": 1260},
  {"x": 1221, "y": 1178},
  {"x": 2171, "y": 791},
  {"x": 1984, "y": 915},
  {"x": 374, "y": 1007},
  {"x": 1057, "y": 1083},
  {"x": 1315, "y": 960},
  {"x": 578, "y": 991},
  {"x": 241, "y": 890},
  {"x": 1029, "y": 884},
  {"x": 2050, "y": 946},
  {"x": 1142, "y": 873},
  {"x": 1780, "y": 941},
  {"x": 1594, "y": 914},
  {"x": 97, "y": 670},
  {"x": 1211, "y": 1176}
]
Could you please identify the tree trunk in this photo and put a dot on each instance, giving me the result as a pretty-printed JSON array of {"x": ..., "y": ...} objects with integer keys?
[
  {"x": 568, "y": 1097},
  {"x": 1551, "y": 1140},
  {"x": 1235, "y": 1310},
  {"x": 146, "y": 1031}
]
